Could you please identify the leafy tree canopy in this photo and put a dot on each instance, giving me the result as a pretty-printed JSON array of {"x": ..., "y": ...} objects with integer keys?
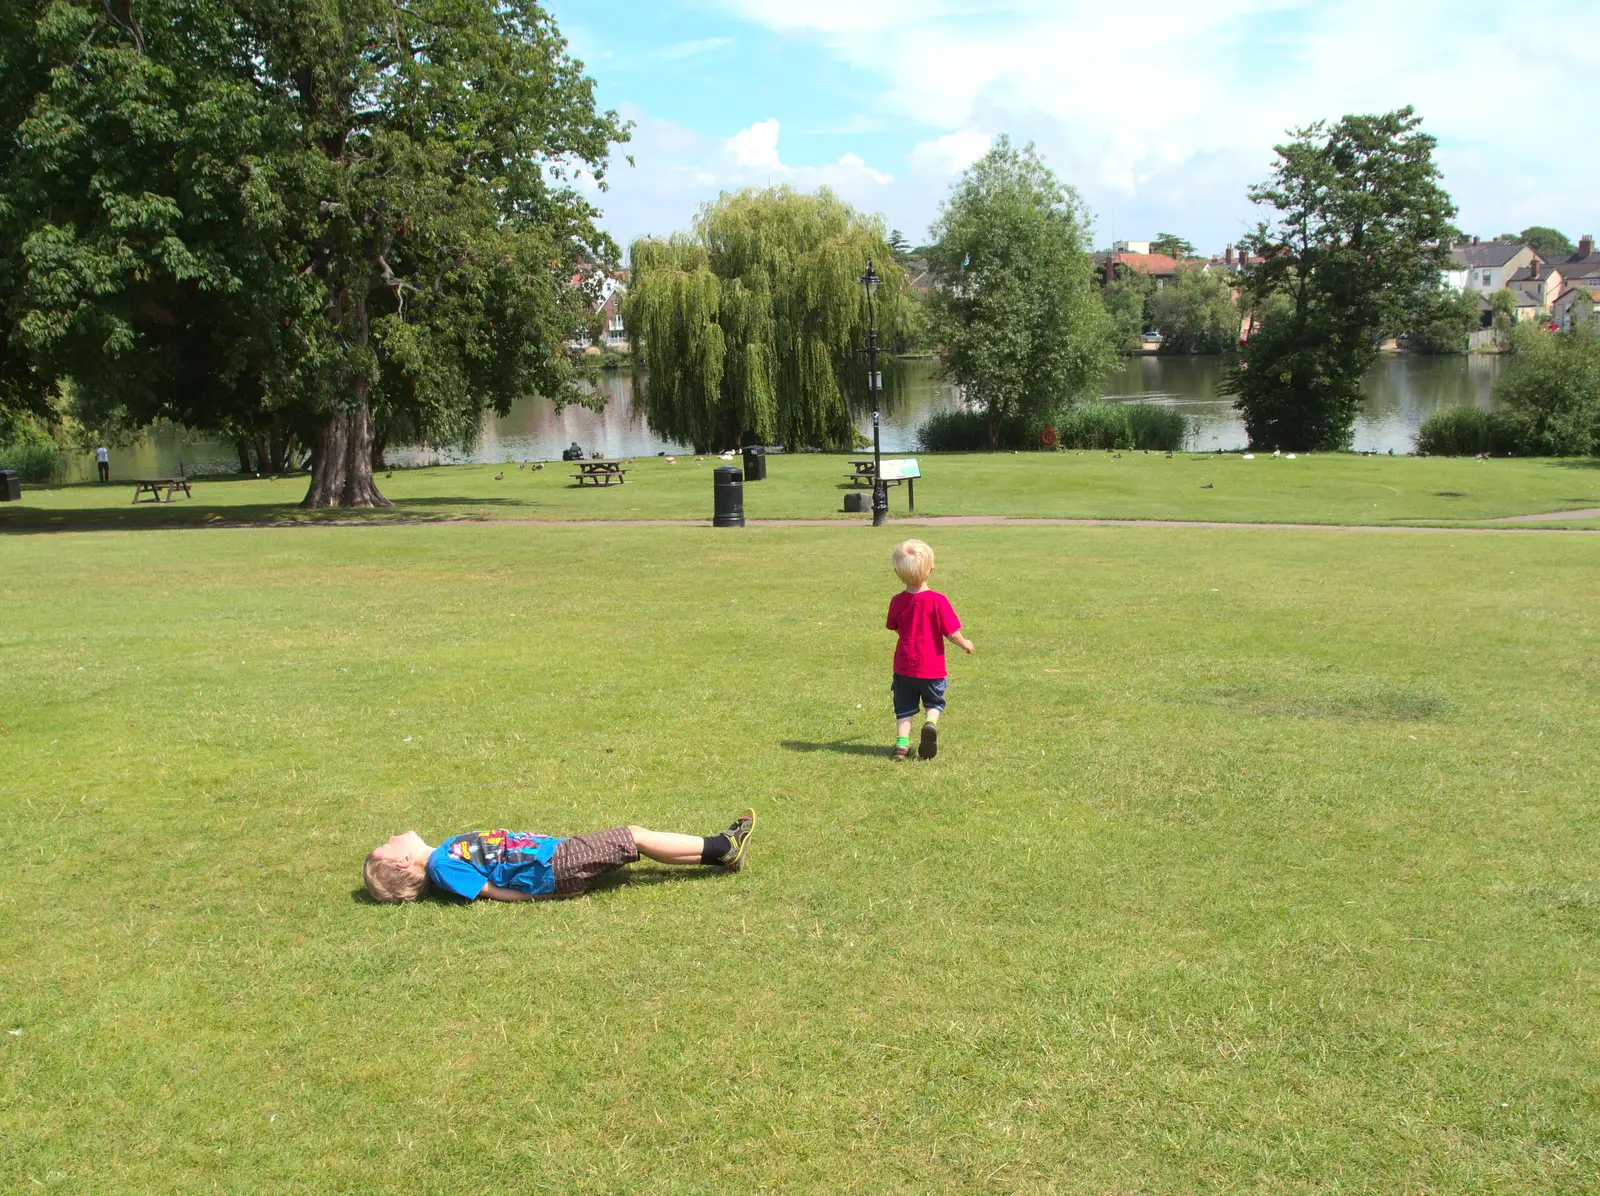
[
  {"x": 1359, "y": 236},
  {"x": 751, "y": 325},
  {"x": 1551, "y": 386},
  {"x": 308, "y": 216},
  {"x": 1547, "y": 242},
  {"x": 1021, "y": 327},
  {"x": 1127, "y": 299},
  {"x": 1172, "y": 245},
  {"x": 1444, "y": 321},
  {"x": 1196, "y": 312}
]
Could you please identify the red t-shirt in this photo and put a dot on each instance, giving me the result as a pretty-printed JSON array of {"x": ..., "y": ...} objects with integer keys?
[{"x": 923, "y": 620}]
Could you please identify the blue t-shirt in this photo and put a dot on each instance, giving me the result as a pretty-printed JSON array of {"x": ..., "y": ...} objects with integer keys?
[{"x": 510, "y": 859}]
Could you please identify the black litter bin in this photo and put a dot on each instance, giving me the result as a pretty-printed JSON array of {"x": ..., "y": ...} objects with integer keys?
[
  {"x": 10, "y": 486},
  {"x": 727, "y": 492},
  {"x": 755, "y": 463}
]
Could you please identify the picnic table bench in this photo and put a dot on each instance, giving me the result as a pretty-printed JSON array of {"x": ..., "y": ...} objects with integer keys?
[
  {"x": 154, "y": 487},
  {"x": 600, "y": 473}
]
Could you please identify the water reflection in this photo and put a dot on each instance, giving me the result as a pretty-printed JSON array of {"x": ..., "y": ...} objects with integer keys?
[{"x": 1401, "y": 391}]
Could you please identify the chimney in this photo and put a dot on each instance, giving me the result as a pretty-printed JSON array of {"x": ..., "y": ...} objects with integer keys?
[
  {"x": 1586, "y": 246},
  {"x": 1227, "y": 255},
  {"x": 1533, "y": 270}
]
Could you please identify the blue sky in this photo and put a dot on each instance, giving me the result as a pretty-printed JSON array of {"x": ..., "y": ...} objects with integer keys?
[{"x": 1160, "y": 114}]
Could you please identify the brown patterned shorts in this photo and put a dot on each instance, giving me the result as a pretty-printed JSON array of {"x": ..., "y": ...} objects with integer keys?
[{"x": 582, "y": 858}]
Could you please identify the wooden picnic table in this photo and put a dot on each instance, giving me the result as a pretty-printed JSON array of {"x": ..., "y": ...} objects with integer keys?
[
  {"x": 866, "y": 473},
  {"x": 600, "y": 472},
  {"x": 154, "y": 487}
]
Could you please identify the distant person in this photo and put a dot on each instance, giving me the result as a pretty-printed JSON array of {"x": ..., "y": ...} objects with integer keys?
[
  {"x": 923, "y": 618},
  {"x": 521, "y": 866},
  {"x": 102, "y": 460},
  {"x": 574, "y": 451}
]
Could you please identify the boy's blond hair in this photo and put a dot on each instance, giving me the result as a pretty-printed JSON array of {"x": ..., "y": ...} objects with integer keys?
[
  {"x": 390, "y": 884},
  {"x": 913, "y": 561}
]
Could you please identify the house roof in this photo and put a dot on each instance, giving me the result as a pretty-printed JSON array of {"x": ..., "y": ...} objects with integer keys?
[
  {"x": 1571, "y": 293},
  {"x": 1486, "y": 253},
  {"x": 1146, "y": 263},
  {"x": 1526, "y": 300},
  {"x": 1525, "y": 273}
]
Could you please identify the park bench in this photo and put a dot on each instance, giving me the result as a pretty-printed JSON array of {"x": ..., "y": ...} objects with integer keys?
[
  {"x": 155, "y": 486},
  {"x": 600, "y": 473}
]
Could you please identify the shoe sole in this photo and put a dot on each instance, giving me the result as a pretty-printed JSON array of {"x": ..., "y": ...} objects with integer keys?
[
  {"x": 737, "y": 862},
  {"x": 929, "y": 747}
]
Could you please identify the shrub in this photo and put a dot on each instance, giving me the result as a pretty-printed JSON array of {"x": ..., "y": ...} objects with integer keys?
[
  {"x": 34, "y": 462},
  {"x": 1155, "y": 428},
  {"x": 1090, "y": 426},
  {"x": 1095, "y": 426},
  {"x": 968, "y": 432},
  {"x": 1466, "y": 432},
  {"x": 1551, "y": 387},
  {"x": 1123, "y": 426}
]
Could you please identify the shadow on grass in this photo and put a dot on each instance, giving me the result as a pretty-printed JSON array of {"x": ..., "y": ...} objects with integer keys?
[
  {"x": 165, "y": 517},
  {"x": 645, "y": 872},
  {"x": 846, "y": 747}
]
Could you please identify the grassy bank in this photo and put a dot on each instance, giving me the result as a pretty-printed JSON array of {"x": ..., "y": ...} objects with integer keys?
[
  {"x": 1248, "y": 864},
  {"x": 1336, "y": 488}
]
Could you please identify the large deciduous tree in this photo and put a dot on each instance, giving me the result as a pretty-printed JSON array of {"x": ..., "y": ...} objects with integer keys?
[
  {"x": 1196, "y": 312},
  {"x": 750, "y": 326},
  {"x": 1358, "y": 240},
  {"x": 280, "y": 218},
  {"x": 1015, "y": 313}
]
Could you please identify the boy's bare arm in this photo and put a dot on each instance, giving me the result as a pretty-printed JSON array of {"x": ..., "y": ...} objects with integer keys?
[
  {"x": 961, "y": 641},
  {"x": 496, "y": 893}
]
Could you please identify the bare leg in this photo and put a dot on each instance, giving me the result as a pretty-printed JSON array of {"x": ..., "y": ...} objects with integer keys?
[
  {"x": 933, "y": 715},
  {"x": 902, "y": 729},
  {"x": 665, "y": 847}
]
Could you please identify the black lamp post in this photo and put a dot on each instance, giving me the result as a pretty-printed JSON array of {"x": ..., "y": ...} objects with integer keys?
[{"x": 880, "y": 491}]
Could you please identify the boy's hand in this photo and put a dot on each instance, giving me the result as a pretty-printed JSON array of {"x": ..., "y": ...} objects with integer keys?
[{"x": 968, "y": 647}]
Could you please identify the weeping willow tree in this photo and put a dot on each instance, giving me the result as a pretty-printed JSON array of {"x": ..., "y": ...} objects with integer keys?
[{"x": 749, "y": 328}]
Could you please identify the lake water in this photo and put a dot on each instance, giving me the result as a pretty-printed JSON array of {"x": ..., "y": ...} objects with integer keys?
[{"x": 1401, "y": 391}]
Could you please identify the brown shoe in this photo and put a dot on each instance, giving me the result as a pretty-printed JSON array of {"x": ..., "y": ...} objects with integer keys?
[
  {"x": 900, "y": 753},
  {"x": 928, "y": 748}
]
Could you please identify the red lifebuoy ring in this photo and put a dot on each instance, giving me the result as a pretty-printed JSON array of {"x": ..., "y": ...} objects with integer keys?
[{"x": 1049, "y": 438}]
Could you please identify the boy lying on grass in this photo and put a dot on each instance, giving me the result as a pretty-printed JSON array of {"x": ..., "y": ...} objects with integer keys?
[{"x": 518, "y": 866}]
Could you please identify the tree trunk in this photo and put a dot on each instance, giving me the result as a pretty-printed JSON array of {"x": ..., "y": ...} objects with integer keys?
[
  {"x": 263, "y": 457},
  {"x": 341, "y": 465},
  {"x": 243, "y": 447},
  {"x": 994, "y": 429},
  {"x": 380, "y": 441}
]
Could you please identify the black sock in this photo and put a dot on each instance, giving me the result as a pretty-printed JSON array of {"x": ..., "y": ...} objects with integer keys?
[{"x": 716, "y": 846}]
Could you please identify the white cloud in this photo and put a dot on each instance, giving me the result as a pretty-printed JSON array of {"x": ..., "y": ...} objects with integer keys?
[
  {"x": 757, "y": 146},
  {"x": 682, "y": 50},
  {"x": 678, "y": 169},
  {"x": 950, "y": 154},
  {"x": 1126, "y": 103}
]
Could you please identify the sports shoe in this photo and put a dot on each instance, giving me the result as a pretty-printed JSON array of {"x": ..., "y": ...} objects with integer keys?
[
  {"x": 738, "y": 835},
  {"x": 928, "y": 748},
  {"x": 900, "y": 753}
]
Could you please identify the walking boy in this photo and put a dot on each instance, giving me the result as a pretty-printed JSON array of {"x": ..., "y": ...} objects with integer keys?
[
  {"x": 521, "y": 866},
  {"x": 924, "y": 620}
]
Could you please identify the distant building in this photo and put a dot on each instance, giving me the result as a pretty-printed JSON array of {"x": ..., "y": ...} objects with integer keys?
[
  {"x": 608, "y": 307},
  {"x": 1119, "y": 263},
  {"x": 1140, "y": 247},
  {"x": 1487, "y": 266}
]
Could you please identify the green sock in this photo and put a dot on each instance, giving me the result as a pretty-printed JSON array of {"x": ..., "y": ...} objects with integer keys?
[{"x": 902, "y": 741}]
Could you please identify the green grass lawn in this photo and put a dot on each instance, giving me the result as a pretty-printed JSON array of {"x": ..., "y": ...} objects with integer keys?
[
  {"x": 1251, "y": 862},
  {"x": 1326, "y": 488}
]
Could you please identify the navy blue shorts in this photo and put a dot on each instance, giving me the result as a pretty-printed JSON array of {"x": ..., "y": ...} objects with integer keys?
[{"x": 908, "y": 691}]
